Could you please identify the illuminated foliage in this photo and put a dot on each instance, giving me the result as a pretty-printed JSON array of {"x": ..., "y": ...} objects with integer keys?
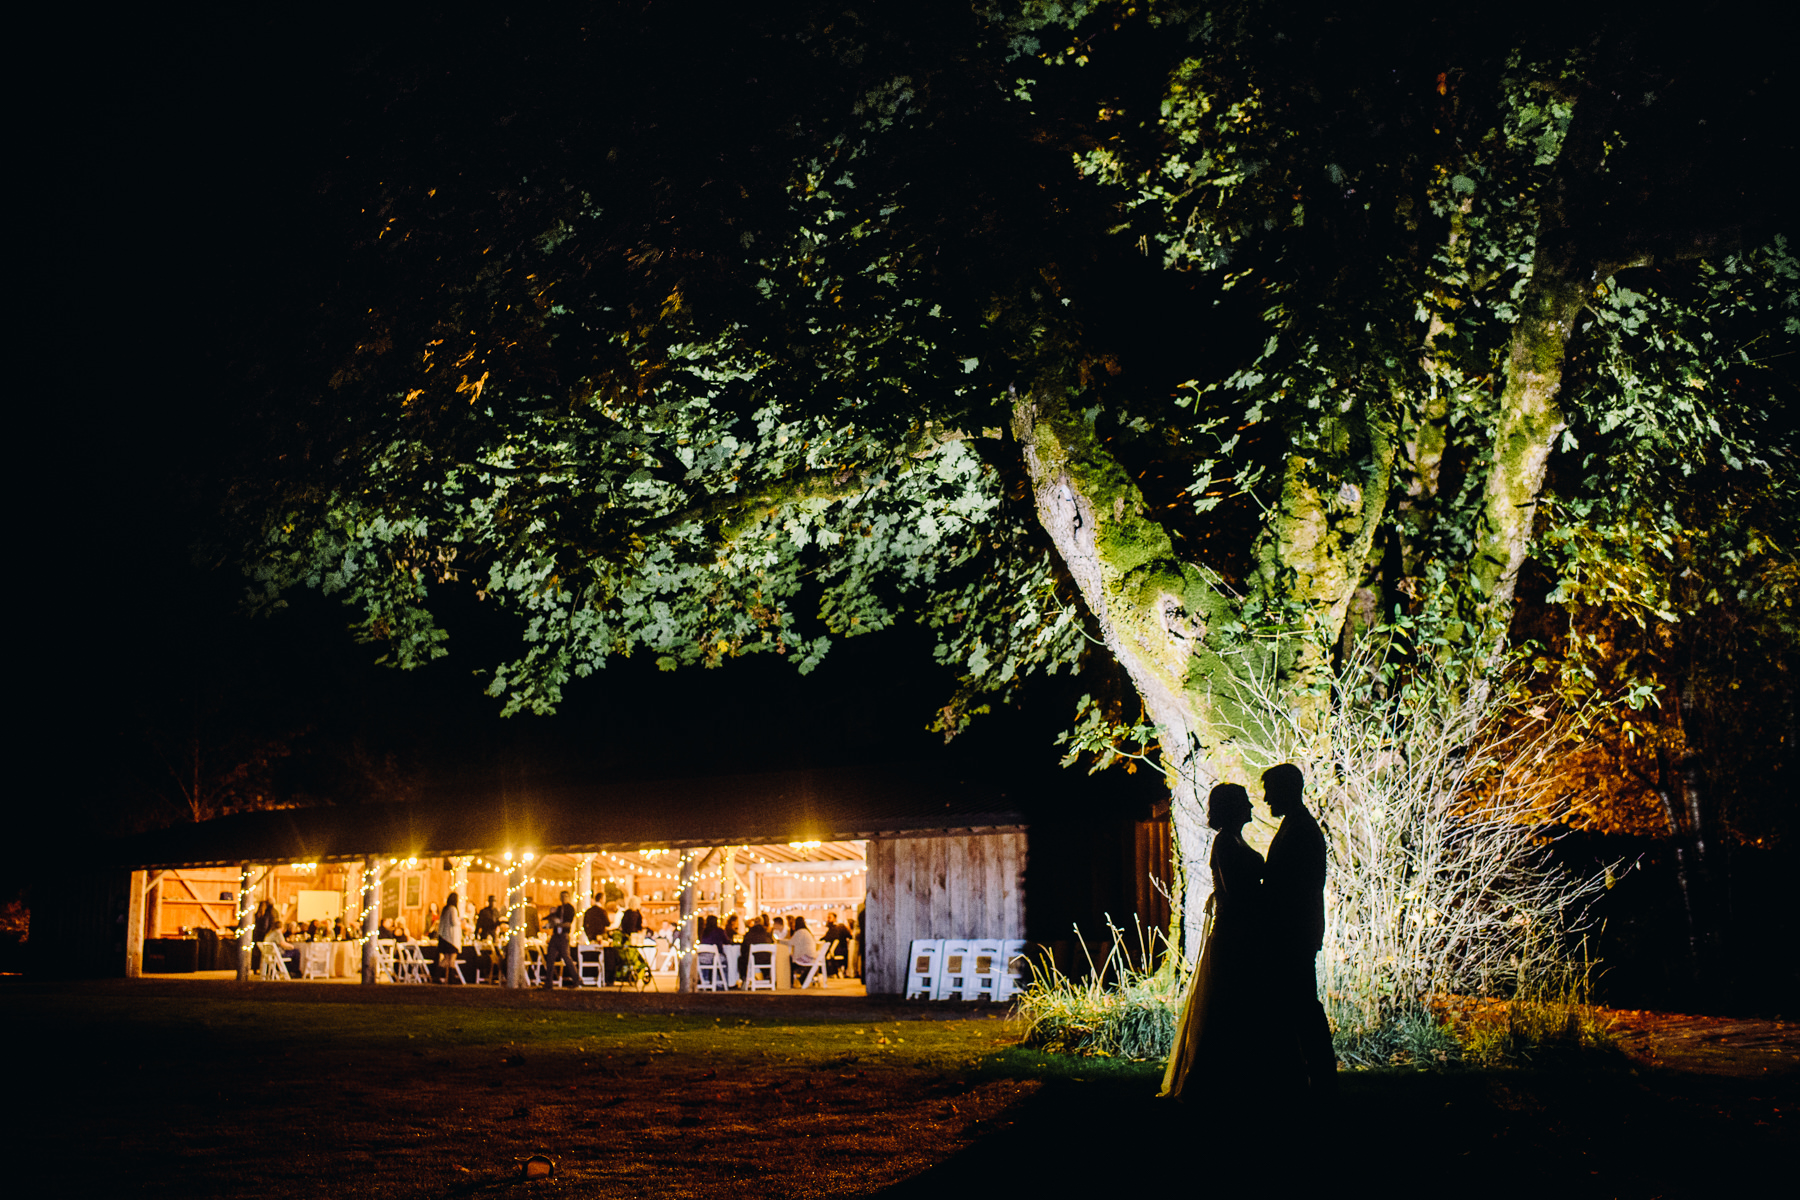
[{"x": 1203, "y": 335}]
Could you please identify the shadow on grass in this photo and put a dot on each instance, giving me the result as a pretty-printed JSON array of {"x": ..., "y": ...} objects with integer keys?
[{"x": 1593, "y": 1127}]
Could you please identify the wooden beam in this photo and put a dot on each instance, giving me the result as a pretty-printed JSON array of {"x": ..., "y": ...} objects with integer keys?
[
  {"x": 246, "y": 914},
  {"x": 371, "y": 917},
  {"x": 134, "y": 927}
]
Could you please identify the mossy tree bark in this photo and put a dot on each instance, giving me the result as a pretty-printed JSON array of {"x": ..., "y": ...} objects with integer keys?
[{"x": 1173, "y": 626}]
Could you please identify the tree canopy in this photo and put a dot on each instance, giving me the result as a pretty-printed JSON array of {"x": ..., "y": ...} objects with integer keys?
[{"x": 1204, "y": 335}]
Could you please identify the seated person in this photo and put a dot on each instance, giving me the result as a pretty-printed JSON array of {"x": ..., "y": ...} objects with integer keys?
[
  {"x": 277, "y": 940},
  {"x": 757, "y": 935},
  {"x": 400, "y": 929},
  {"x": 595, "y": 922},
  {"x": 631, "y": 920},
  {"x": 712, "y": 935},
  {"x": 387, "y": 932},
  {"x": 805, "y": 946},
  {"x": 731, "y": 929}
]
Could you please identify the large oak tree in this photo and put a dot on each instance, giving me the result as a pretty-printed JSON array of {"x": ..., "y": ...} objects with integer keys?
[{"x": 1208, "y": 335}]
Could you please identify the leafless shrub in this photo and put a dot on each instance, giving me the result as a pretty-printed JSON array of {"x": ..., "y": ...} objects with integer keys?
[{"x": 1433, "y": 801}]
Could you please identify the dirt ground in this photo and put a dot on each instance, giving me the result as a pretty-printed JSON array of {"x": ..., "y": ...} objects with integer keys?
[{"x": 156, "y": 1088}]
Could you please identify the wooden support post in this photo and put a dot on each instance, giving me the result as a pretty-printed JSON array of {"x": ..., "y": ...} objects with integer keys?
[
  {"x": 515, "y": 927},
  {"x": 246, "y": 919},
  {"x": 153, "y": 904},
  {"x": 134, "y": 925},
  {"x": 727, "y": 882},
  {"x": 684, "y": 937},
  {"x": 459, "y": 883},
  {"x": 371, "y": 920},
  {"x": 585, "y": 881}
]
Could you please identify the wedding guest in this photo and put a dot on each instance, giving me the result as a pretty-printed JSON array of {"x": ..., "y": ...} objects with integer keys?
[
  {"x": 631, "y": 920},
  {"x": 556, "y": 951},
  {"x": 757, "y": 935},
  {"x": 487, "y": 921},
  {"x": 449, "y": 935},
  {"x": 711, "y": 934},
  {"x": 805, "y": 946},
  {"x": 595, "y": 922}
]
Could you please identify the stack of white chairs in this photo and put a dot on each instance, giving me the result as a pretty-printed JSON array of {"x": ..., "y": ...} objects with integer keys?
[
  {"x": 923, "y": 967},
  {"x": 1015, "y": 970},
  {"x": 274, "y": 962},
  {"x": 953, "y": 981},
  {"x": 967, "y": 969},
  {"x": 709, "y": 965},
  {"x": 989, "y": 962},
  {"x": 762, "y": 969}
]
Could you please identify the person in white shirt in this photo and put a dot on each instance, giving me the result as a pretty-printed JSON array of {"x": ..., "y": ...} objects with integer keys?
[{"x": 805, "y": 947}]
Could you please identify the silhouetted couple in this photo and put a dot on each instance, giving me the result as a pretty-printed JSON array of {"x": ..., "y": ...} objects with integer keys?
[{"x": 1252, "y": 1024}]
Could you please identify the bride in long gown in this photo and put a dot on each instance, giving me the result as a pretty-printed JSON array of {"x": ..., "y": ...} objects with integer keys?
[{"x": 1213, "y": 1042}]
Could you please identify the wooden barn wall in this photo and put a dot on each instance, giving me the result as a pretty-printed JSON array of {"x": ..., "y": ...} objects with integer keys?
[
  {"x": 80, "y": 934},
  {"x": 939, "y": 887}
]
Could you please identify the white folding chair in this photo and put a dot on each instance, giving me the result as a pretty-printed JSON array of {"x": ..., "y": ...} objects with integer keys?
[
  {"x": 662, "y": 957},
  {"x": 453, "y": 962},
  {"x": 986, "y": 969},
  {"x": 1015, "y": 969},
  {"x": 590, "y": 962},
  {"x": 710, "y": 966},
  {"x": 385, "y": 966},
  {"x": 412, "y": 964},
  {"x": 926, "y": 958},
  {"x": 312, "y": 962},
  {"x": 815, "y": 970},
  {"x": 762, "y": 968},
  {"x": 274, "y": 963},
  {"x": 953, "y": 976}
]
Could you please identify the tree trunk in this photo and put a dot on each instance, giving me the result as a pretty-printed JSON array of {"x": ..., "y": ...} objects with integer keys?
[{"x": 1163, "y": 618}]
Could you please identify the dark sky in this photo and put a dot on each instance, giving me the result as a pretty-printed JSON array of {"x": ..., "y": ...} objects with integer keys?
[{"x": 201, "y": 147}]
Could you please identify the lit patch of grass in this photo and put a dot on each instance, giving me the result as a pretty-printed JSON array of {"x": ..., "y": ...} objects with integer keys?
[{"x": 1120, "y": 1010}]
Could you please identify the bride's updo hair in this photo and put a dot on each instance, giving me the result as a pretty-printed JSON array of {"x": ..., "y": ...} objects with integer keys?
[{"x": 1228, "y": 807}]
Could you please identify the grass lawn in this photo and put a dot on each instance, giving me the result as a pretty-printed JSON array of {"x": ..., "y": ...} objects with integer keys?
[{"x": 275, "y": 1091}]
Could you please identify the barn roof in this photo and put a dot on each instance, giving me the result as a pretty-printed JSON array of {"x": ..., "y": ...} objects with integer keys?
[{"x": 824, "y": 805}]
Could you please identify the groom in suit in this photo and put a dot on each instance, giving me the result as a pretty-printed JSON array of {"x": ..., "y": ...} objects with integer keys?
[{"x": 1294, "y": 900}]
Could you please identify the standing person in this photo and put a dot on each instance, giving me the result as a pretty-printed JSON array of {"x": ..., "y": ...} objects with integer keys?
[
  {"x": 556, "y": 953},
  {"x": 837, "y": 946},
  {"x": 449, "y": 935},
  {"x": 487, "y": 921},
  {"x": 1294, "y": 887},
  {"x": 1214, "y": 1057}
]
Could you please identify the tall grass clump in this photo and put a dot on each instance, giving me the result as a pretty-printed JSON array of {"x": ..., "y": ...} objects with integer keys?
[
  {"x": 1126, "y": 1007},
  {"x": 1433, "y": 798}
]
